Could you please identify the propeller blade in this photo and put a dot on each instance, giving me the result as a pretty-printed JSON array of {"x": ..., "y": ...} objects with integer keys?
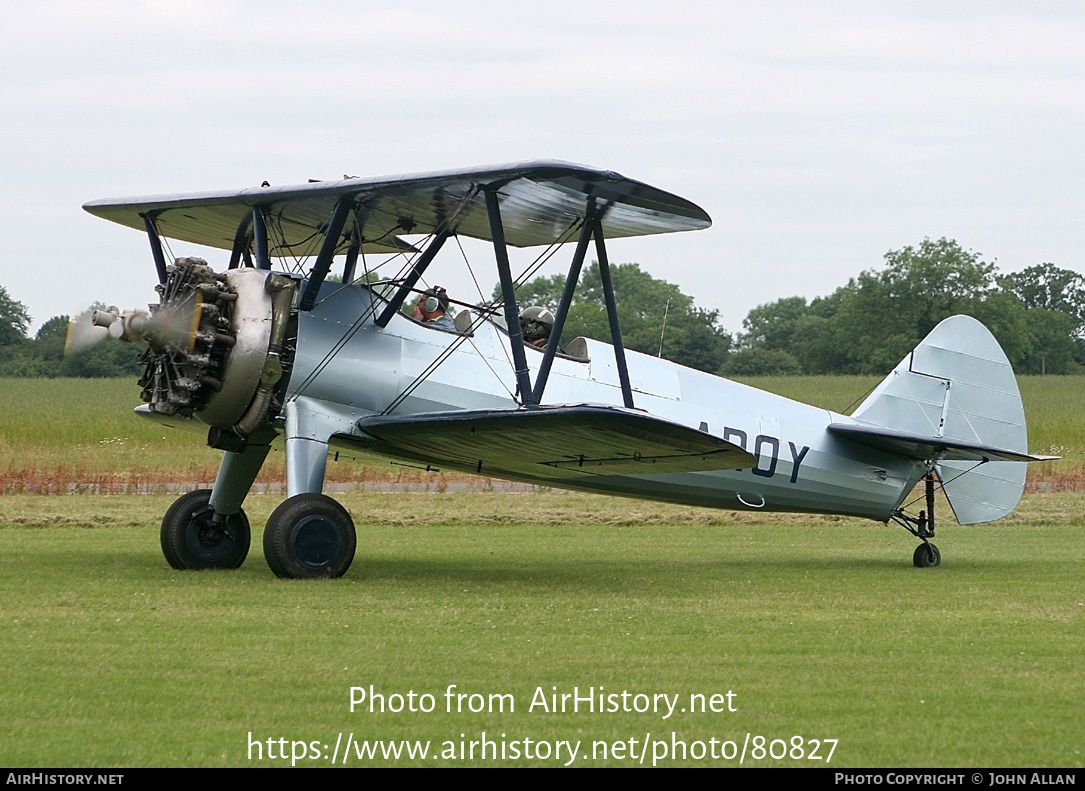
[{"x": 83, "y": 333}]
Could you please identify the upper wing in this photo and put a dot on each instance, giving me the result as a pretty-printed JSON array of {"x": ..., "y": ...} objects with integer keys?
[
  {"x": 540, "y": 201},
  {"x": 550, "y": 442}
]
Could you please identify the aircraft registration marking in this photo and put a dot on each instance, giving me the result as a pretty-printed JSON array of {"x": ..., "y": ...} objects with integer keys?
[{"x": 763, "y": 442}]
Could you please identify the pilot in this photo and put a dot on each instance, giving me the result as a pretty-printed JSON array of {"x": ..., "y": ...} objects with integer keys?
[
  {"x": 432, "y": 309},
  {"x": 536, "y": 324}
]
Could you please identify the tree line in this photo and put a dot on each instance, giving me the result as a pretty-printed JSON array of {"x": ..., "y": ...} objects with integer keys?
[
  {"x": 44, "y": 354},
  {"x": 865, "y": 326},
  {"x": 869, "y": 324}
]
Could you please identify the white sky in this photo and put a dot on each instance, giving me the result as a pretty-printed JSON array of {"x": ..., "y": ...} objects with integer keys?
[{"x": 817, "y": 135}]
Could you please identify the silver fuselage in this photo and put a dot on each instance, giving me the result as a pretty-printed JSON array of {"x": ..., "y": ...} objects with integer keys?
[{"x": 346, "y": 369}]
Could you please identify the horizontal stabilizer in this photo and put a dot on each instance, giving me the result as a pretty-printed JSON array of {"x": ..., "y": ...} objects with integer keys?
[
  {"x": 561, "y": 442},
  {"x": 924, "y": 448}
]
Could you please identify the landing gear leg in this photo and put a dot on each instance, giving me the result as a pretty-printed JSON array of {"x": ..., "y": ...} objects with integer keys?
[
  {"x": 926, "y": 555},
  {"x": 207, "y": 529},
  {"x": 236, "y": 475}
]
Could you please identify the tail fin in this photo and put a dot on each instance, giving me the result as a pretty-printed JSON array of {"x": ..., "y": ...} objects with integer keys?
[{"x": 957, "y": 389}]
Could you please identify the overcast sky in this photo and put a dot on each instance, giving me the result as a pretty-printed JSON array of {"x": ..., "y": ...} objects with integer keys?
[{"x": 818, "y": 136}]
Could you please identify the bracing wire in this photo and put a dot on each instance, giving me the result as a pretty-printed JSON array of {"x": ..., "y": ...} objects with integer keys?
[
  {"x": 533, "y": 267},
  {"x": 357, "y": 324},
  {"x": 663, "y": 331},
  {"x": 539, "y": 261},
  {"x": 298, "y": 253},
  {"x": 857, "y": 401},
  {"x": 942, "y": 484}
]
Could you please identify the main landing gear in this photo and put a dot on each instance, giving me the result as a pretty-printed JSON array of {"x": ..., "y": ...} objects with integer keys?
[
  {"x": 194, "y": 537},
  {"x": 926, "y": 555},
  {"x": 307, "y": 536}
]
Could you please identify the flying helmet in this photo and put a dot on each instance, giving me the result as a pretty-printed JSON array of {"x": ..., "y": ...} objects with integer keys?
[
  {"x": 434, "y": 298},
  {"x": 536, "y": 323}
]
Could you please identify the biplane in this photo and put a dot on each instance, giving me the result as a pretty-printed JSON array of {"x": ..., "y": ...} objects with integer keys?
[{"x": 302, "y": 341}]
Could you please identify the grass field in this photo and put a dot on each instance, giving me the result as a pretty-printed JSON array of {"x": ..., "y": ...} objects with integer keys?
[
  {"x": 58, "y": 432},
  {"x": 821, "y": 629}
]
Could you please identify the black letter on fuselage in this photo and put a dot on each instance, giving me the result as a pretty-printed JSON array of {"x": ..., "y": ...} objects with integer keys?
[
  {"x": 796, "y": 459},
  {"x": 729, "y": 432},
  {"x": 763, "y": 439}
]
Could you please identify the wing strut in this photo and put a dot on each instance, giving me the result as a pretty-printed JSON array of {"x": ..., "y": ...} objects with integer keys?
[
  {"x": 612, "y": 314},
  {"x": 242, "y": 240},
  {"x": 508, "y": 294},
  {"x": 571, "y": 281},
  {"x": 259, "y": 230},
  {"x": 593, "y": 227},
  {"x": 352, "y": 254},
  {"x": 327, "y": 252},
  {"x": 417, "y": 270},
  {"x": 156, "y": 246}
]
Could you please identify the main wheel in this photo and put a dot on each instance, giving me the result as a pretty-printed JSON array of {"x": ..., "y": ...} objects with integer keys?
[
  {"x": 191, "y": 539},
  {"x": 309, "y": 535},
  {"x": 926, "y": 556}
]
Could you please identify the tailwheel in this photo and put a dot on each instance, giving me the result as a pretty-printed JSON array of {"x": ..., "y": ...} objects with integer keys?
[
  {"x": 194, "y": 538},
  {"x": 926, "y": 556},
  {"x": 309, "y": 536}
]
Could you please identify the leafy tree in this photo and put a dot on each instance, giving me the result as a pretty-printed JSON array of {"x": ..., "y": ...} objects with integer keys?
[
  {"x": 935, "y": 280},
  {"x": 1054, "y": 348},
  {"x": 796, "y": 333},
  {"x": 109, "y": 358},
  {"x": 761, "y": 361},
  {"x": 44, "y": 355},
  {"x": 14, "y": 319},
  {"x": 656, "y": 317},
  {"x": 1047, "y": 287},
  {"x": 774, "y": 325},
  {"x": 868, "y": 325},
  {"x": 884, "y": 314},
  {"x": 542, "y": 291},
  {"x": 55, "y": 329},
  {"x": 871, "y": 323}
]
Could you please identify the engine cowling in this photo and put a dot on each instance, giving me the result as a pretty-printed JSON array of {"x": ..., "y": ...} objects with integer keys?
[{"x": 215, "y": 346}]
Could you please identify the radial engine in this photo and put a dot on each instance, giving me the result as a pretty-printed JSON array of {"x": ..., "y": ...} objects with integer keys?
[{"x": 219, "y": 347}]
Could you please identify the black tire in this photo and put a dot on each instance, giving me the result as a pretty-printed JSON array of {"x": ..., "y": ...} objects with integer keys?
[
  {"x": 309, "y": 536},
  {"x": 192, "y": 540},
  {"x": 926, "y": 556}
]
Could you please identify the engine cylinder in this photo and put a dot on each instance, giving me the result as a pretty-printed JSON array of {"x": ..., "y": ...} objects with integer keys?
[{"x": 212, "y": 343}]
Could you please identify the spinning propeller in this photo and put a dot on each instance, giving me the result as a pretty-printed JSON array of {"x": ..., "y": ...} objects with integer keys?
[
  {"x": 188, "y": 336},
  {"x": 171, "y": 326},
  {"x": 214, "y": 345},
  {"x": 83, "y": 333}
]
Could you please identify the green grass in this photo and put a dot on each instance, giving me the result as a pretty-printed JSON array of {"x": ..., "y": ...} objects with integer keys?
[
  {"x": 821, "y": 627},
  {"x": 81, "y": 429},
  {"x": 57, "y": 431}
]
